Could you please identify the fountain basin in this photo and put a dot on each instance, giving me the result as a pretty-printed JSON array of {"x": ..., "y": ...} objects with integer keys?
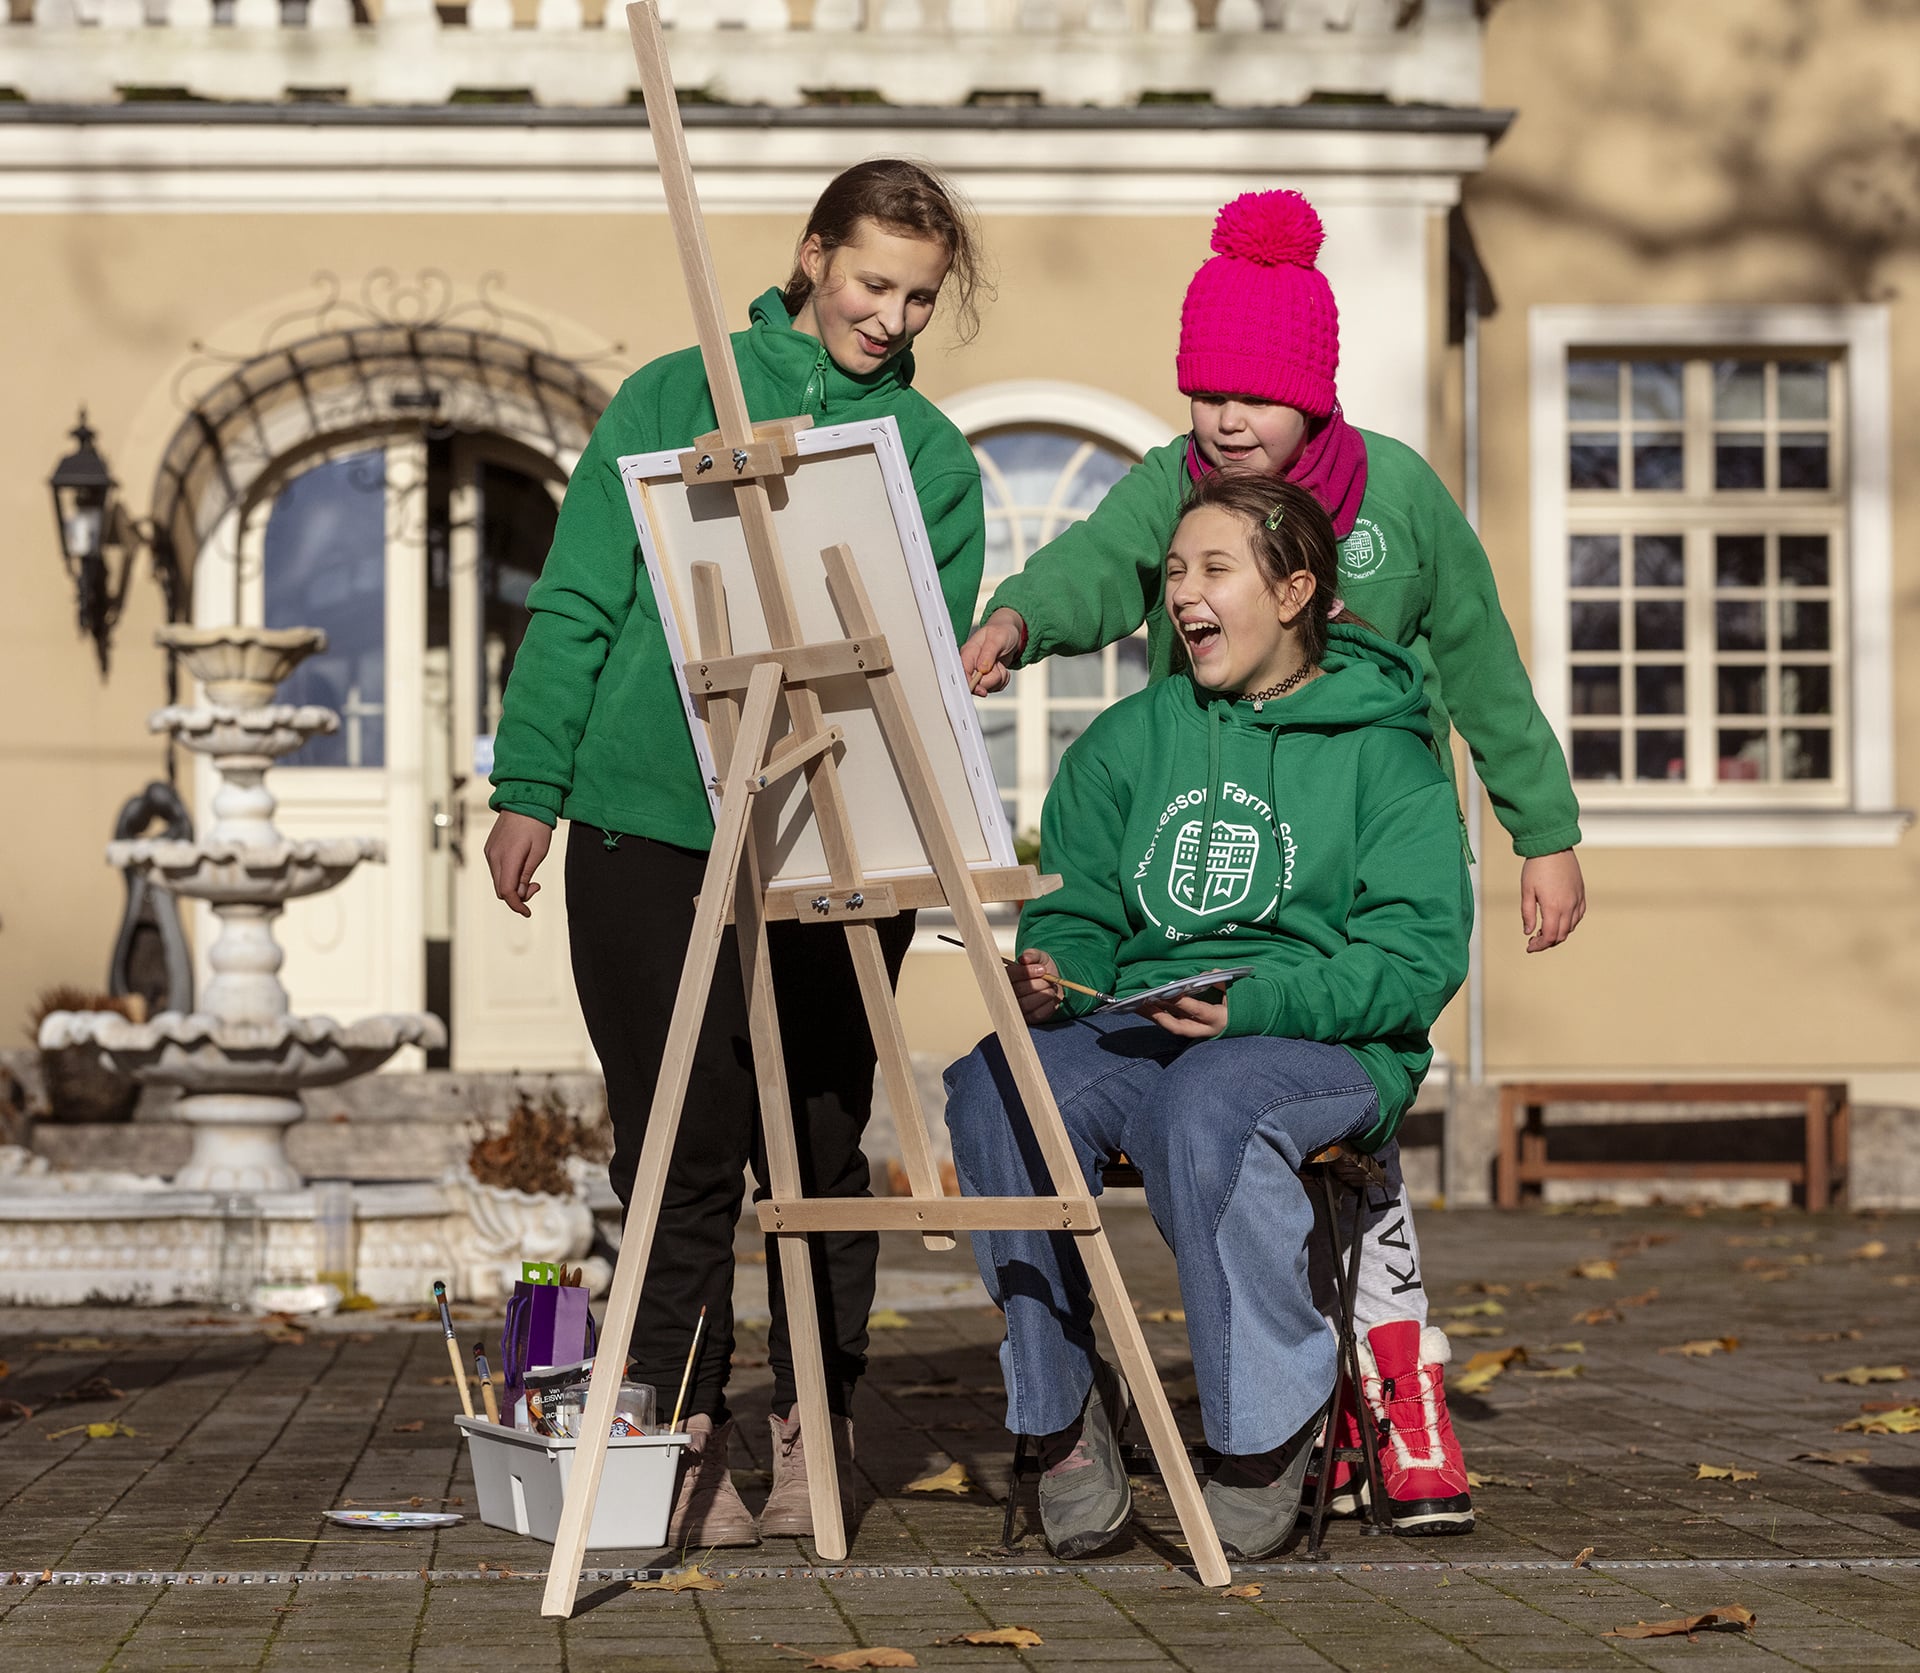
[
  {"x": 272, "y": 1055},
  {"x": 221, "y": 729},
  {"x": 240, "y": 666},
  {"x": 241, "y": 873}
]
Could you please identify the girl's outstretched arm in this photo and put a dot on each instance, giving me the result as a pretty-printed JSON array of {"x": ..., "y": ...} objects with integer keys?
[{"x": 1096, "y": 582}]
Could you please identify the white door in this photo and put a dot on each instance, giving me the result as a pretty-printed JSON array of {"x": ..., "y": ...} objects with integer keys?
[
  {"x": 340, "y": 547},
  {"x": 414, "y": 555},
  {"x": 513, "y": 1003}
]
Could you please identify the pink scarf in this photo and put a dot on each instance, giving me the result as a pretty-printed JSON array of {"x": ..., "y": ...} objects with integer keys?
[{"x": 1332, "y": 467}]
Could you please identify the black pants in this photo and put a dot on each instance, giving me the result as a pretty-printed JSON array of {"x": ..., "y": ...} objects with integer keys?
[{"x": 629, "y": 914}]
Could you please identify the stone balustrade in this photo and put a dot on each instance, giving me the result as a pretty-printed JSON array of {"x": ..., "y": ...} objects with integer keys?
[{"x": 782, "y": 53}]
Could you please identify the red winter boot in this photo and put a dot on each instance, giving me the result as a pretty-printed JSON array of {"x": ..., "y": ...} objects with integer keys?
[
  {"x": 1349, "y": 1494},
  {"x": 1426, "y": 1478}
]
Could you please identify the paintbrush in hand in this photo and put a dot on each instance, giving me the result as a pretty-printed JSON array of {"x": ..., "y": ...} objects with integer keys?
[{"x": 1057, "y": 981}]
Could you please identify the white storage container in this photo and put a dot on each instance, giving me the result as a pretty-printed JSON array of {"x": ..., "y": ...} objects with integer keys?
[{"x": 521, "y": 1480}]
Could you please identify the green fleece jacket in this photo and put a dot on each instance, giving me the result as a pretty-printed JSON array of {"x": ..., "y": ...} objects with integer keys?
[
  {"x": 592, "y": 726},
  {"x": 1315, "y": 841},
  {"x": 1412, "y": 568}
]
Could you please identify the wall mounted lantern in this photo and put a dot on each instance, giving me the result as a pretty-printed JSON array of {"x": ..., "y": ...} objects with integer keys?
[{"x": 92, "y": 522}]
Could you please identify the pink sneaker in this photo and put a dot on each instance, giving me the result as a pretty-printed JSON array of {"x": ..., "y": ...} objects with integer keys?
[{"x": 1402, "y": 1375}]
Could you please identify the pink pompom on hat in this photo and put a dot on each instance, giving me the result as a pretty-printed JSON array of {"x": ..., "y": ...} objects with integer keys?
[{"x": 1259, "y": 317}]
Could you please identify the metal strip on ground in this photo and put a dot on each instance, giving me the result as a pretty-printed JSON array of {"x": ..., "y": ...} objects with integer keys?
[{"x": 917, "y": 1571}]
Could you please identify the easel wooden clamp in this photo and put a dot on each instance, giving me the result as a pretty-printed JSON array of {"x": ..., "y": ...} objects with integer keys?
[{"x": 742, "y": 695}]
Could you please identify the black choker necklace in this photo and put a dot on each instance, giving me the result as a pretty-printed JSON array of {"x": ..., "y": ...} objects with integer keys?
[{"x": 1260, "y": 699}]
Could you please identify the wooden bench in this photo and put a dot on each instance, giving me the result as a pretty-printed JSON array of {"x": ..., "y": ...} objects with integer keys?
[{"x": 1820, "y": 1176}]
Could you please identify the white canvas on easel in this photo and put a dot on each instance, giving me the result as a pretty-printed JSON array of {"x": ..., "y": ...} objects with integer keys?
[{"x": 841, "y": 486}]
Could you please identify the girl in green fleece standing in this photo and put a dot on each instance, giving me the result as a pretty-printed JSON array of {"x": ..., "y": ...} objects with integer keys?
[
  {"x": 1276, "y": 807},
  {"x": 1259, "y": 347},
  {"x": 593, "y": 732}
]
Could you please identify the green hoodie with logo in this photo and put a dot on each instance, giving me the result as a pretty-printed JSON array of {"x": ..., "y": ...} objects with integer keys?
[
  {"x": 1315, "y": 840},
  {"x": 592, "y": 726},
  {"x": 1411, "y": 567}
]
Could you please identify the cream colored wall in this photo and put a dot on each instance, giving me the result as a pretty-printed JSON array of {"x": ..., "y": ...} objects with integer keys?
[
  {"x": 104, "y": 310},
  {"x": 1722, "y": 151}
]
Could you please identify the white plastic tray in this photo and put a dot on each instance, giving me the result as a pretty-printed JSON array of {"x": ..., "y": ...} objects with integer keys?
[{"x": 521, "y": 1481}]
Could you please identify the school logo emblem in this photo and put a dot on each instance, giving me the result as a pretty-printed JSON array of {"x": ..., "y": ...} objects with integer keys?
[
  {"x": 1230, "y": 859},
  {"x": 1363, "y": 551}
]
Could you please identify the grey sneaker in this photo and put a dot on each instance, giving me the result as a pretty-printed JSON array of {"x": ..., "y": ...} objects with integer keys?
[
  {"x": 1254, "y": 1500},
  {"x": 1085, "y": 1497}
]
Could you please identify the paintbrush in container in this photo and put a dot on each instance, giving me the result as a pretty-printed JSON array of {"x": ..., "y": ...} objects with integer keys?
[
  {"x": 453, "y": 1347},
  {"x": 484, "y": 1372},
  {"x": 686, "y": 1376}
]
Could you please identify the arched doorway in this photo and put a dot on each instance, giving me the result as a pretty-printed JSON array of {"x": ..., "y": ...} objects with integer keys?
[{"x": 407, "y": 512}]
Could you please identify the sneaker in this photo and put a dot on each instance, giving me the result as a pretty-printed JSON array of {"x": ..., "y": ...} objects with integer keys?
[
  {"x": 708, "y": 1511},
  {"x": 1085, "y": 1497},
  {"x": 789, "y": 1507},
  {"x": 1402, "y": 1374},
  {"x": 1254, "y": 1499}
]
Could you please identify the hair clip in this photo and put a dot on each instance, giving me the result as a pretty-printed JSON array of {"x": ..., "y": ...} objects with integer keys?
[{"x": 1274, "y": 516}]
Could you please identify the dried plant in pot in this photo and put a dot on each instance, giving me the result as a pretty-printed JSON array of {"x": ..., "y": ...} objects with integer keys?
[
  {"x": 525, "y": 1194},
  {"x": 78, "y": 1083}
]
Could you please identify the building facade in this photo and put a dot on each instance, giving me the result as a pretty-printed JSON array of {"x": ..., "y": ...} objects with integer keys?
[{"x": 342, "y": 289}]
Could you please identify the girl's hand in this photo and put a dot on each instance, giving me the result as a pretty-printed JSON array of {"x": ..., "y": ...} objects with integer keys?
[
  {"x": 1034, "y": 975},
  {"x": 1553, "y": 899},
  {"x": 988, "y": 655},
  {"x": 515, "y": 847},
  {"x": 1191, "y": 1018}
]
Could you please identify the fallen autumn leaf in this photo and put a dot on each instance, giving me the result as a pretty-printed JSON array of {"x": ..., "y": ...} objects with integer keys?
[
  {"x": 888, "y": 1318},
  {"x": 1705, "y": 1347},
  {"x": 1585, "y": 1557},
  {"x": 1727, "y": 1615},
  {"x": 849, "y": 1661},
  {"x": 1477, "y": 1310},
  {"x": 1860, "y": 1374},
  {"x": 1016, "y": 1638},
  {"x": 953, "y": 1479},
  {"x": 1902, "y": 1420},
  {"x": 1484, "y": 1367},
  {"x": 1597, "y": 1269},
  {"x": 1251, "y": 1591},
  {"x": 692, "y": 1578},
  {"x": 1723, "y": 1472}
]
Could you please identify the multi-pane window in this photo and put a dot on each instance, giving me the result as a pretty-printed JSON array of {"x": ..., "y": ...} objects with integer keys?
[
  {"x": 1706, "y": 569},
  {"x": 1037, "y": 483}
]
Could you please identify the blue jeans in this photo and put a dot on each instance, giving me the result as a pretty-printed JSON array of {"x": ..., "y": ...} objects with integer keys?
[{"x": 1219, "y": 1129}]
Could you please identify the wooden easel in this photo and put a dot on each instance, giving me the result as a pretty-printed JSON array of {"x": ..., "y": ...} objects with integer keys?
[{"x": 744, "y": 694}]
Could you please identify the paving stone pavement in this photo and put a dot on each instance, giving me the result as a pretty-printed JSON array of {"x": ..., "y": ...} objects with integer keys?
[{"x": 197, "y": 1541}]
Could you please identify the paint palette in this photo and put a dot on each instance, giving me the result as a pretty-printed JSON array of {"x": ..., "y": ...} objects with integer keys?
[{"x": 395, "y": 1518}]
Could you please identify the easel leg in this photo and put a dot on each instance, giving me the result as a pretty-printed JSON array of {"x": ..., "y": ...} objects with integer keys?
[
  {"x": 1103, "y": 1272},
  {"x": 796, "y": 1258},
  {"x": 896, "y": 1068},
  {"x": 663, "y": 1124}
]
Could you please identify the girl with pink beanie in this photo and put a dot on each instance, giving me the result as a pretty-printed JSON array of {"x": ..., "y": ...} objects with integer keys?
[{"x": 1259, "y": 349}]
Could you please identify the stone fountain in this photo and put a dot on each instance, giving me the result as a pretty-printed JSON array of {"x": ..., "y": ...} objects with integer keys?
[
  {"x": 243, "y": 1057},
  {"x": 241, "y": 1061}
]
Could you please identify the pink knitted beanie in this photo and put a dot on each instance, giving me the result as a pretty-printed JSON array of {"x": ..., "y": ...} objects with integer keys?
[{"x": 1259, "y": 317}]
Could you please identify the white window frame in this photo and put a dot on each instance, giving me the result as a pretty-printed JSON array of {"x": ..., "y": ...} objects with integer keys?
[{"x": 1860, "y": 333}]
